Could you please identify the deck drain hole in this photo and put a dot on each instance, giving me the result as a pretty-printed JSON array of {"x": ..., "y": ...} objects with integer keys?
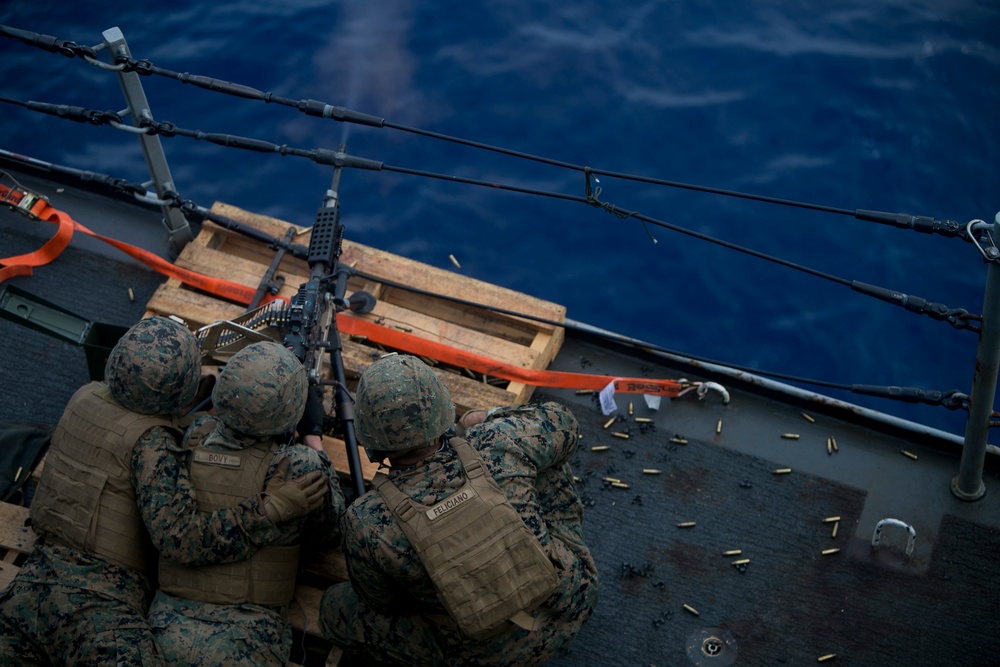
[{"x": 709, "y": 647}]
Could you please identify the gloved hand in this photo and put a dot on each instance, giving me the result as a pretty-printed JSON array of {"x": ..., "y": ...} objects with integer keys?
[
  {"x": 311, "y": 422},
  {"x": 285, "y": 500}
]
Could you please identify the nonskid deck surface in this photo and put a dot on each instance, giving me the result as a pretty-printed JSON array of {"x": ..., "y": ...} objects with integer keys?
[{"x": 792, "y": 604}]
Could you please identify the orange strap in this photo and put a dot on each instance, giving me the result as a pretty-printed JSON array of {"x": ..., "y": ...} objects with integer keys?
[
  {"x": 407, "y": 342},
  {"x": 225, "y": 289},
  {"x": 401, "y": 340},
  {"x": 21, "y": 264}
]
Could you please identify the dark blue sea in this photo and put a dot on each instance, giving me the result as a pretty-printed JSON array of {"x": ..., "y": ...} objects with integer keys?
[{"x": 890, "y": 105}]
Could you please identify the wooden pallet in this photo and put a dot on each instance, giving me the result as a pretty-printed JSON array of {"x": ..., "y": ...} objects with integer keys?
[{"x": 222, "y": 253}]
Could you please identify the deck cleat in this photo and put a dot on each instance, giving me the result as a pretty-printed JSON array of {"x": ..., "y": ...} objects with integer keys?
[{"x": 911, "y": 539}]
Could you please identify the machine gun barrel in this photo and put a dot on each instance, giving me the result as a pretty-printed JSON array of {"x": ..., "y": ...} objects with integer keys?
[{"x": 312, "y": 321}]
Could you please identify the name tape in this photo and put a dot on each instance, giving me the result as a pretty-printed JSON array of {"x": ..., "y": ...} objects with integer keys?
[
  {"x": 217, "y": 458},
  {"x": 464, "y": 494}
]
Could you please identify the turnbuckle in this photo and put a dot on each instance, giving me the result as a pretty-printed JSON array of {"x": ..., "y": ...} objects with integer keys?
[{"x": 20, "y": 198}]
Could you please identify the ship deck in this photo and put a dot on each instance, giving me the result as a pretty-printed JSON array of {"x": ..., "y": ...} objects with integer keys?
[{"x": 670, "y": 594}]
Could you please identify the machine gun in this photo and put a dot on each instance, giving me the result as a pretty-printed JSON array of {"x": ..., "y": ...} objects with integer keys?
[
  {"x": 312, "y": 323},
  {"x": 308, "y": 325}
]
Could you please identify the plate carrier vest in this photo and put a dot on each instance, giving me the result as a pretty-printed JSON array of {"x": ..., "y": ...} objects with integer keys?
[
  {"x": 85, "y": 497},
  {"x": 224, "y": 478},
  {"x": 487, "y": 566}
]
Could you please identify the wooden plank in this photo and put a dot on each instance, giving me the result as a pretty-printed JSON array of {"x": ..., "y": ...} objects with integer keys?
[
  {"x": 7, "y": 574},
  {"x": 15, "y": 533},
  {"x": 303, "y": 613}
]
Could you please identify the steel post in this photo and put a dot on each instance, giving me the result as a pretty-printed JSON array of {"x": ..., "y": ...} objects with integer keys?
[
  {"x": 152, "y": 150},
  {"x": 968, "y": 484}
]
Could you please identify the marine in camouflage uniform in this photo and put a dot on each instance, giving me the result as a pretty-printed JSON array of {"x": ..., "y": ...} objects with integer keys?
[
  {"x": 389, "y": 612},
  {"x": 81, "y": 596},
  {"x": 215, "y": 615}
]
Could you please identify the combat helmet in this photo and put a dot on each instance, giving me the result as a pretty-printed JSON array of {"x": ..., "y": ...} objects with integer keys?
[
  {"x": 401, "y": 406},
  {"x": 261, "y": 391},
  {"x": 155, "y": 368}
]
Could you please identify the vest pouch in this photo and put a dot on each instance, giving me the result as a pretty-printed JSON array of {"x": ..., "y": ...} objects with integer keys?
[
  {"x": 66, "y": 503},
  {"x": 267, "y": 579},
  {"x": 488, "y": 568}
]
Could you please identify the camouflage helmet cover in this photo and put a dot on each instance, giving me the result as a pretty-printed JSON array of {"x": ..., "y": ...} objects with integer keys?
[
  {"x": 401, "y": 405},
  {"x": 261, "y": 391},
  {"x": 155, "y": 368}
]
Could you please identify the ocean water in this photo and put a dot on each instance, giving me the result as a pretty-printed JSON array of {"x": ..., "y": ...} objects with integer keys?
[{"x": 888, "y": 105}]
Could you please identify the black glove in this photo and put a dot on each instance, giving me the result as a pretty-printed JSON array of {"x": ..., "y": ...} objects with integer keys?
[{"x": 312, "y": 419}]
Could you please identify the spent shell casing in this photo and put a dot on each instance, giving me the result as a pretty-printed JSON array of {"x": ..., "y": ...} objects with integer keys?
[
  {"x": 584, "y": 392},
  {"x": 599, "y": 448},
  {"x": 619, "y": 485},
  {"x": 908, "y": 454},
  {"x": 679, "y": 440},
  {"x": 718, "y": 427},
  {"x": 782, "y": 471},
  {"x": 829, "y": 447},
  {"x": 619, "y": 434},
  {"x": 454, "y": 261},
  {"x": 828, "y": 656},
  {"x": 611, "y": 479},
  {"x": 650, "y": 471},
  {"x": 643, "y": 420},
  {"x": 740, "y": 561},
  {"x": 831, "y": 519},
  {"x": 17, "y": 475},
  {"x": 833, "y": 441},
  {"x": 790, "y": 436},
  {"x": 691, "y": 610},
  {"x": 630, "y": 408},
  {"x": 836, "y": 525},
  {"x": 808, "y": 417},
  {"x": 131, "y": 294},
  {"x": 827, "y": 552},
  {"x": 732, "y": 552},
  {"x": 610, "y": 422},
  {"x": 686, "y": 524}
]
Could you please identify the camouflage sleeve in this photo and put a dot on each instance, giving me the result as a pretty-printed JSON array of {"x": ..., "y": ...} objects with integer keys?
[
  {"x": 364, "y": 567},
  {"x": 321, "y": 527},
  {"x": 546, "y": 434},
  {"x": 170, "y": 511}
]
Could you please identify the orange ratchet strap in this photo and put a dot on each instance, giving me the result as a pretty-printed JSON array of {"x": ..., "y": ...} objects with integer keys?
[
  {"x": 34, "y": 206},
  {"x": 540, "y": 378},
  {"x": 41, "y": 210}
]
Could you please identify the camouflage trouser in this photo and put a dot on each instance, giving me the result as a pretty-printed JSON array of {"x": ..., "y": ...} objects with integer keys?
[
  {"x": 372, "y": 637},
  {"x": 43, "y": 624},
  {"x": 199, "y": 633},
  {"x": 369, "y": 637}
]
